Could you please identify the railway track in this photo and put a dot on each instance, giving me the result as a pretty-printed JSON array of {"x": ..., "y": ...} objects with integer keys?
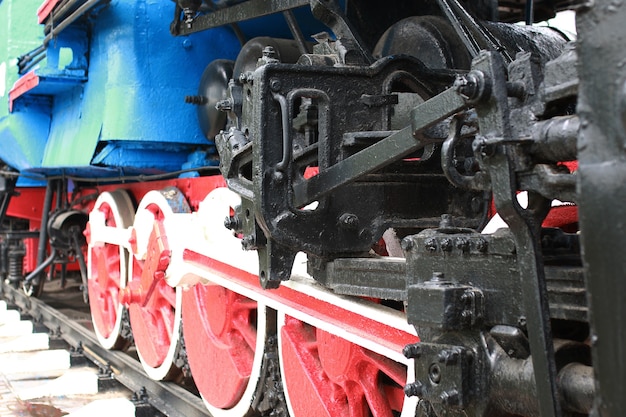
[{"x": 151, "y": 398}]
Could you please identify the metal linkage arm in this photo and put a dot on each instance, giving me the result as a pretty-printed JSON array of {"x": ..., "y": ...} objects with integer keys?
[
  {"x": 234, "y": 14},
  {"x": 499, "y": 160},
  {"x": 384, "y": 152}
]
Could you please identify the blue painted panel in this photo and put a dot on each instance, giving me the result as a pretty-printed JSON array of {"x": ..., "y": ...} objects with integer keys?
[
  {"x": 116, "y": 105},
  {"x": 138, "y": 77}
]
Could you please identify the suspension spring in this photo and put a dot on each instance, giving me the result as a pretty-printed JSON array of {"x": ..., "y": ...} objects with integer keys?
[
  {"x": 4, "y": 259},
  {"x": 16, "y": 263}
]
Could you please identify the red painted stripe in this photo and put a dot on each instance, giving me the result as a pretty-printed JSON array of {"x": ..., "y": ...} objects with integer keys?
[
  {"x": 21, "y": 86},
  {"x": 354, "y": 323},
  {"x": 46, "y": 8}
]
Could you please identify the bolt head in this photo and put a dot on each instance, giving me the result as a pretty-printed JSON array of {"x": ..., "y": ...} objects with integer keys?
[
  {"x": 231, "y": 222},
  {"x": 446, "y": 244},
  {"x": 407, "y": 244},
  {"x": 482, "y": 245},
  {"x": 275, "y": 84},
  {"x": 412, "y": 351},
  {"x": 431, "y": 244},
  {"x": 269, "y": 52},
  {"x": 450, "y": 397},
  {"x": 349, "y": 221},
  {"x": 278, "y": 177},
  {"x": 414, "y": 389}
]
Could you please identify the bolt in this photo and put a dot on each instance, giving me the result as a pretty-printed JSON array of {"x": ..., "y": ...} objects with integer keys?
[
  {"x": 78, "y": 349},
  {"x": 414, "y": 389},
  {"x": 448, "y": 357},
  {"x": 450, "y": 397},
  {"x": 275, "y": 84},
  {"x": 104, "y": 371},
  {"x": 471, "y": 87},
  {"x": 197, "y": 100},
  {"x": 269, "y": 52},
  {"x": 446, "y": 244},
  {"x": 278, "y": 177},
  {"x": 431, "y": 244},
  {"x": 446, "y": 221},
  {"x": 521, "y": 322},
  {"x": 231, "y": 222},
  {"x": 189, "y": 17},
  {"x": 407, "y": 244},
  {"x": 349, "y": 221},
  {"x": 224, "y": 105},
  {"x": 248, "y": 242},
  {"x": 482, "y": 245},
  {"x": 462, "y": 244},
  {"x": 244, "y": 77},
  {"x": 437, "y": 276},
  {"x": 412, "y": 351}
]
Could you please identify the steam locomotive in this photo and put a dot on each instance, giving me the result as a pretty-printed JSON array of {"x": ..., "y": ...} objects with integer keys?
[{"x": 329, "y": 208}]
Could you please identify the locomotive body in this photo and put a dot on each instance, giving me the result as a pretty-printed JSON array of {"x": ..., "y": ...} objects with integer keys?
[{"x": 276, "y": 198}]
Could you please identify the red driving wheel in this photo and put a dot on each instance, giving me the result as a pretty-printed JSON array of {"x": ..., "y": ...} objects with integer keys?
[
  {"x": 326, "y": 375},
  {"x": 220, "y": 329},
  {"x": 107, "y": 272},
  {"x": 154, "y": 306}
]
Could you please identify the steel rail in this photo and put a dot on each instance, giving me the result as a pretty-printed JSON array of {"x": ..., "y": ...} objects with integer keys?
[{"x": 167, "y": 397}]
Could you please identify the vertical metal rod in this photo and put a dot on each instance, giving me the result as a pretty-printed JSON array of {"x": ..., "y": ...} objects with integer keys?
[
  {"x": 81, "y": 263},
  {"x": 295, "y": 31},
  {"x": 59, "y": 194},
  {"x": 530, "y": 12},
  {"x": 525, "y": 225},
  {"x": 45, "y": 215},
  {"x": 6, "y": 198}
]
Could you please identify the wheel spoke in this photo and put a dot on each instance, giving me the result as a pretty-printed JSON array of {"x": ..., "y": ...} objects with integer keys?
[
  {"x": 221, "y": 331},
  {"x": 370, "y": 383},
  {"x": 242, "y": 326},
  {"x": 326, "y": 375},
  {"x": 395, "y": 371},
  {"x": 165, "y": 321},
  {"x": 166, "y": 294},
  {"x": 357, "y": 406}
]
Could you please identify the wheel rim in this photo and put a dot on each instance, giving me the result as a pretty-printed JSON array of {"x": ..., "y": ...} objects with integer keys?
[
  {"x": 107, "y": 271},
  {"x": 154, "y": 307},
  {"x": 223, "y": 332},
  {"x": 325, "y": 375}
]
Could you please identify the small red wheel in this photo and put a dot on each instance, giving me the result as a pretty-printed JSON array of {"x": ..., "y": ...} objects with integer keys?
[
  {"x": 223, "y": 331},
  {"x": 326, "y": 375},
  {"x": 107, "y": 267},
  {"x": 154, "y": 306}
]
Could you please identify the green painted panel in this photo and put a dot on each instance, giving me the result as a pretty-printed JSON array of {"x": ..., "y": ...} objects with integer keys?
[{"x": 19, "y": 34}]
